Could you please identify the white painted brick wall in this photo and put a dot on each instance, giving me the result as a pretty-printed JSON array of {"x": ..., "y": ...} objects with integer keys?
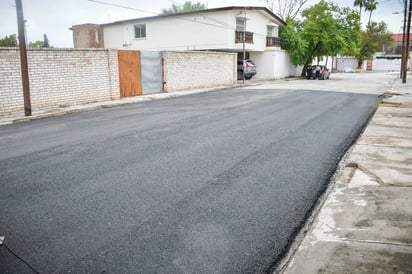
[
  {"x": 58, "y": 77},
  {"x": 10, "y": 82},
  {"x": 198, "y": 69}
]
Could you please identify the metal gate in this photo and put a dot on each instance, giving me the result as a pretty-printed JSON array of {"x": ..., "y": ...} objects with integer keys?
[{"x": 151, "y": 66}]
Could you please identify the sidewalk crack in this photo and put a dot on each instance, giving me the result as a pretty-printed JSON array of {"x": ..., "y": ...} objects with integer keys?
[{"x": 366, "y": 171}]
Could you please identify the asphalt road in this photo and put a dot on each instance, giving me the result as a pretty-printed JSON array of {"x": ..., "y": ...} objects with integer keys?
[{"x": 217, "y": 182}]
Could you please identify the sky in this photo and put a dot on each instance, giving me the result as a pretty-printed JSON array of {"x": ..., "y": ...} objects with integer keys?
[{"x": 55, "y": 17}]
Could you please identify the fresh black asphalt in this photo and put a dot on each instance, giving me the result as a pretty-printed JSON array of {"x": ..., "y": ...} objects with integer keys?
[{"x": 217, "y": 182}]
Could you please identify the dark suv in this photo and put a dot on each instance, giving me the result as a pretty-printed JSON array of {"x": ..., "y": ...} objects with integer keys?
[{"x": 250, "y": 69}]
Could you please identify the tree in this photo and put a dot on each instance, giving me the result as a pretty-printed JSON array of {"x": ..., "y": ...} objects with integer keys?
[
  {"x": 374, "y": 38},
  {"x": 186, "y": 7},
  {"x": 46, "y": 41},
  {"x": 360, "y": 4},
  {"x": 40, "y": 44},
  {"x": 9, "y": 41},
  {"x": 370, "y": 5},
  {"x": 293, "y": 41},
  {"x": 326, "y": 30},
  {"x": 286, "y": 8}
]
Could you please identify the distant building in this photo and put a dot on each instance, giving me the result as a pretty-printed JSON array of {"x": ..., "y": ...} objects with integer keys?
[
  {"x": 396, "y": 48},
  {"x": 87, "y": 36}
]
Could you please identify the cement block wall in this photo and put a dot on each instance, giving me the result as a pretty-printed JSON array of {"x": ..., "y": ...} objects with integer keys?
[
  {"x": 64, "y": 77},
  {"x": 198, "y": 69},
  {"x": 58, "y": 77}
]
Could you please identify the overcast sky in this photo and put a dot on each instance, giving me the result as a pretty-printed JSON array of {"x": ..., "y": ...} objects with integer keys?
[{"x": 55, "y": 17}]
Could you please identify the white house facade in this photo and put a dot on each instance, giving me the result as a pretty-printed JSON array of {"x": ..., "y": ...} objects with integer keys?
[{"x": 221, "y": 29}]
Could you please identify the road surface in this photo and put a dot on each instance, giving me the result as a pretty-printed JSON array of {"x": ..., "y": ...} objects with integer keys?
[{"x": 217, "y": 182}]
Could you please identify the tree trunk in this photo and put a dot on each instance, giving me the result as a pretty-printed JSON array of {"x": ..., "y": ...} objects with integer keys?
[
  {"x": 303, "y": 74},
  {"x": 360, "y": 63},
  {"x": 370, "y": 16}
]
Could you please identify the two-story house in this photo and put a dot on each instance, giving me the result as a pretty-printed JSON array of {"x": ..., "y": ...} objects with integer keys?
[{"x": 252, "y": 31}]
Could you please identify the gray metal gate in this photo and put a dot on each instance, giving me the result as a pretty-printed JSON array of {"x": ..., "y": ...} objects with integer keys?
[{"x": 151, "y": 67}]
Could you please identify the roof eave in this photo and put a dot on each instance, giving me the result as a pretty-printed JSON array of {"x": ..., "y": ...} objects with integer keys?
[{"x": 161, "y": 16}]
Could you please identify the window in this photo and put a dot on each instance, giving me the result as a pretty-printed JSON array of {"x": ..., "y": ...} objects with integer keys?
[
  {"x": 240, "y": 24},
  {"x": 140, "y": 31},
  {"x": 270, "y": 31}
]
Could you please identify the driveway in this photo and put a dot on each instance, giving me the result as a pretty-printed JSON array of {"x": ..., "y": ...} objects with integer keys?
[{"x": 367, "y": 83}]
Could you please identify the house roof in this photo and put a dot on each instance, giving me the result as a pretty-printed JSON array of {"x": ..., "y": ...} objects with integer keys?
[
  {"x": 263, "y": 9},
  {"x": 398, "y": 37}
]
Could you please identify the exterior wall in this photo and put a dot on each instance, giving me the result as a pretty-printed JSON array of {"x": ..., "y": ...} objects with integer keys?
[
  {"x": 88, "y": 36},
  {"x": 197, "y": 31},
  {"x": 189, "y": 32},
  {"x": 387, "y": 64},
  {"x": 256, "y": 23},
  {"x": 343, "y": 62},
  {"x": 273, "y": 64},
  {"x": 58, "y": 77},
  {"x": 190, "y": 70},
  {"x": 11, "y": 88}
]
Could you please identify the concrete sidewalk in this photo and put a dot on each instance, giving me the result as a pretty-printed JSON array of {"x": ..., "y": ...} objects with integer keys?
[{"x": 364, "y": 224}]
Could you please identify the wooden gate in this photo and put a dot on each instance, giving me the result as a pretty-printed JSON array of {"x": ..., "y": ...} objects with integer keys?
[{"x": 130, "y": 76}]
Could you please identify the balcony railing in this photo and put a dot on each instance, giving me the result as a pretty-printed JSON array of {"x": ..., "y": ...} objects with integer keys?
[
  {"x": 248, "y": 37},
  {"x": 272, "y": 41}
]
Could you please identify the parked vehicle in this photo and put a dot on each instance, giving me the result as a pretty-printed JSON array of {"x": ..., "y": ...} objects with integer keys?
[
  {"x": 348, "y": 70},
  {"x": 320, "y": 72},
  {"x": 248, "y": 66}
]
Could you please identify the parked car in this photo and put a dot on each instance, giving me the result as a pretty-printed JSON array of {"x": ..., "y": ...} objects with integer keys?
[
  {"x": 348, "y": 70},
  {"x": 320, "y": 72},
  {"x": 248, "y": 66}
]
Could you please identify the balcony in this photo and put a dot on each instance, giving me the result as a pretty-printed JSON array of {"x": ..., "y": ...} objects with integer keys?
[
  {"x": 248, "y": 37},
  {"x": 272, "y": 41}
]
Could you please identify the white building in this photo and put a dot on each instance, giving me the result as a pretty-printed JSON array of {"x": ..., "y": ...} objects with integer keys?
[{"x": 220, "y": 29}]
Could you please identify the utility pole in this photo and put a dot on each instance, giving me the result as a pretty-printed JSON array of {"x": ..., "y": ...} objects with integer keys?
[
  {"x": 405, "y": 53},
  {"x": 23, "y": 58},
  {"x": 244, "y": 51}
]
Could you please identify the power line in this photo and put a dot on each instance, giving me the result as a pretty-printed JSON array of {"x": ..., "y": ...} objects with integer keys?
[{"x": 120, "y": 6}]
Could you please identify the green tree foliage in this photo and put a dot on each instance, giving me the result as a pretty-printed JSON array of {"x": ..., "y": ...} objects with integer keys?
[
  {"x": 40, "y": 44},
  {"x": 374, "y": 38},
  {"x": 36, "y": 44},
  {"x": 186, "y": 7},
  {"x": 292, "y": 40},
  {"x": 325, "y": 30},
  {"x": 9, "y": 41}
]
